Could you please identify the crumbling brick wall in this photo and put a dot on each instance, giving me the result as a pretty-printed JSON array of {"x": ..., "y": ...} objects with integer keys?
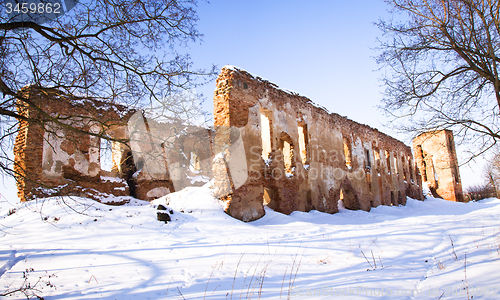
[
  {"x": 268, "y": 147},
  {"x": 56, "y": 159},
  {"x": 53, "y": 159},
  {"x": 300, "y": 157},
  {"x": 436, "y": 159}
]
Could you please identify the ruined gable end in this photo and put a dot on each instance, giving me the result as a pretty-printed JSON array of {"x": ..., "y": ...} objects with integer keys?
[
  {"x": 119, "y": 154},
  {"x": 51, "y": 159},
  {"x": 436, "y": 158}
]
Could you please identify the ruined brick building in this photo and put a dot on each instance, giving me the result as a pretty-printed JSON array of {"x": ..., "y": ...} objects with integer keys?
[
  {"x": 64, "y": 159},
  {"x": 53, "y": 160},
  {"x": 267, "y": 147},
  {"x": 436, "y": 158}
]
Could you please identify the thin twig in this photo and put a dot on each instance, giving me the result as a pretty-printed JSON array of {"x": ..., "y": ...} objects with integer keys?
[
  {"x": 234, "y": 277},
  {"x": 180, "y": 293},
  {"x": 283, "y": 282},
  {"x": 453, "y": 248},
  {"x": 208, "y": 281},
  {"x": 367, "y": 260}
]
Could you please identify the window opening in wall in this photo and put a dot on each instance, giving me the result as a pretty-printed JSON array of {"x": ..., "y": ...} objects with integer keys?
[
  {"x": 105, "y": 155},
  {"x": 424, "y": 169},
  {"x": 421, "y": 157},
  {"x": 303, "y": 142},
  {"x": 194, "y": 163},
  {"x": 267, "y": 196},
  {"x": 410, "y": 167},
  {"x": 369, "y": 181},
  {"x": 347, "y": 153},
  {"x": 368, "y": 163},
  {"x": 388, "y": 161},
  {"x": 396, "y": 170},
  {"x": 265, "y": 127},
  {"x": 376, "y": 154},
  {"x": 286, "y": 146},
  {"x": 403, "y": 161}
]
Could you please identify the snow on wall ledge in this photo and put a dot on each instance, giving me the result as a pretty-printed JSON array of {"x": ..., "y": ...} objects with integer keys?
[
  {"x": 282, "y": 151},
  {"x": 301, "y": 157}
]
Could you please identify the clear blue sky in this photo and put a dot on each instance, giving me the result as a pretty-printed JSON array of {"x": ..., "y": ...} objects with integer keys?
[{"x": 323, "y": 49}]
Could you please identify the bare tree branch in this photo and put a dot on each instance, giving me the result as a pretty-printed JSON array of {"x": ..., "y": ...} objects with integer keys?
[
  {"x": 120, "y": 52},
  {"x": 443, "y": 60}
]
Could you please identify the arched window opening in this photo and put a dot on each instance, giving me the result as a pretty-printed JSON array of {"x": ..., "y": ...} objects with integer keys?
[
  {"x": 303, "y": 142},
  {"x": 347, "y": 153},
  {"x": 266, "y": 133},
  {"x": 388, "y": 161},
  {"x": 368, "y": 162},
  {"x": 403, "y": 162},
  {"x": 286, "y": 146},
  {"x": 106, "y": 155},
  {"x": 396, "y": 170},
  {"x": 410, "y": 167},
  {"x": 376, "y": 155}
]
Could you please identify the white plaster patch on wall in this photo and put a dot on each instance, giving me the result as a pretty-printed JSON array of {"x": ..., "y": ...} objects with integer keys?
[
  {"x": 334, "y": 177},
  {"x": 264, "y": 102},
  {"x": 146, "y": 146},
  {"x": 158, "y": 192},
  {"x": 281, "y": 121},
  {"x": 81, "y": 163},
  {"x": 254, "y": 118},
  {"x": 52, "y": 154},
  {"x": 303, "y": 118},
  {"x": 358, "y": 151},
  {"x": 367, "y": 145},
  {"x": 335, "y": 135},
  {"x": 54, "y": 157}
]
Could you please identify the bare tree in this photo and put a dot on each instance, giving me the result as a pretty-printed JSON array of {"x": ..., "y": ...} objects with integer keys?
[
  {"x": 116, "y": 51},
  {"x": 492, "y": 172},
  {"x": 442, "y": 58}
]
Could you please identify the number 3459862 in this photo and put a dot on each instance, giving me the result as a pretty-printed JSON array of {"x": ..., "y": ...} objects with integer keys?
[{"x": 34, "y": 8}]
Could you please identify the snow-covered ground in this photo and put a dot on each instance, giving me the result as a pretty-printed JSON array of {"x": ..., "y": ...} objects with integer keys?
[{"x": 425, "y": 250}]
